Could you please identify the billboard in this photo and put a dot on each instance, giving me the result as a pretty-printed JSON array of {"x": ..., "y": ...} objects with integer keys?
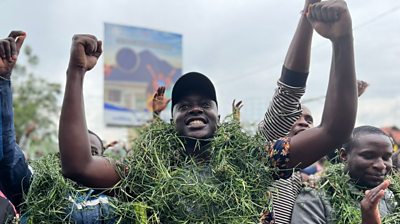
[{"x": 136, "y": 62}]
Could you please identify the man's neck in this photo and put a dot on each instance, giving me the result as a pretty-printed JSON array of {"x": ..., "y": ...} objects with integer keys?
[{"x": 199, "y": 148}]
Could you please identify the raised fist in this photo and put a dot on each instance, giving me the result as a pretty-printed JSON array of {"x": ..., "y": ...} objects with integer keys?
[
  {"x": 9, "y": 50},
  {"x": 307, "y": 3},
  {"x": 331, "y": 19},
  {"x": 85, "y": 51},
  {"x": 361, "y": 87}
]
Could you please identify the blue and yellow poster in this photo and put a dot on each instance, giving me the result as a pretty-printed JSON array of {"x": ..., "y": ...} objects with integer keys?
[{"x": 136, "y": 62}]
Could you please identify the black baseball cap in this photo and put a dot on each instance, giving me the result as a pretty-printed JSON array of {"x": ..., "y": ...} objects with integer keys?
[{"x": 193, "y": 82}]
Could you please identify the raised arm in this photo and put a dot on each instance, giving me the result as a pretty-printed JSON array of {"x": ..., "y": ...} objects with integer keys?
[
  {"x": 285, "y": 107},
  {"x": 331, "y": 19},
  {"x": 14, "y": 172},
  {"x": 76, "y": 158}
]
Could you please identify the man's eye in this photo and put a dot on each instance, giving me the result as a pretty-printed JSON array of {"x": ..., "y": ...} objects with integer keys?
[
  {"x": 206, "y": 105},
  {"x": 183, "y": 107},
  {"x": 368, "y": 156},
  {"x": 309, "y": 119},
  {"x": 387, "y": 157}
]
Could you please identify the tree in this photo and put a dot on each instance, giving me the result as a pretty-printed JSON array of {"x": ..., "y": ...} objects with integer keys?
[{"x": 35, "y": 106}]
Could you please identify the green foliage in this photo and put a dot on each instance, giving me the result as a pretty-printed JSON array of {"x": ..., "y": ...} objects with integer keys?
[
  {"x": 162, "y": 184},
  {"x": 345, "y": 198},
  {"x": 394, "y": 186},
  {"x": 176, "y": 188},
  {"x": 49, "y": 195},
  {"x": 46, "y": 201},
  {"x": 342, "y": 194},
  {"x": 35, "y": 100}
]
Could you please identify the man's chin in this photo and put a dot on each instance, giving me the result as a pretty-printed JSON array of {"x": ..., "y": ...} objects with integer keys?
[
  {"x": 372, "y": 184},
  {"x": 200, "y": 134}
]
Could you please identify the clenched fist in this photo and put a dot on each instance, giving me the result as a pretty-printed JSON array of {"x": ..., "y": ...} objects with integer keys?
[
  {"x": 331, "y": 19},
  {"x": 85, "y": 51}
]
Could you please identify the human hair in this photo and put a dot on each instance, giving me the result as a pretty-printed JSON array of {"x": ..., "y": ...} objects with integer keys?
[
  {"x": 101, "y": 141},
  {"x": 360, "y": 131}
]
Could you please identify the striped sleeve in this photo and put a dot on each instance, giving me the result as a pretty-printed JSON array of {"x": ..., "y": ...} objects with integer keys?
[
  {"x": 284, "y": 194},
  {"x": 282, "y": 112}
]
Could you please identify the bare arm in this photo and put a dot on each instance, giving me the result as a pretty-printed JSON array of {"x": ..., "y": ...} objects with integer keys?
[
  {"x": 285, "y": 107},
  {"x": 332, "y": 20},
  {"x": 76, "y": 159},
  {"x": 298, "y": 55}
]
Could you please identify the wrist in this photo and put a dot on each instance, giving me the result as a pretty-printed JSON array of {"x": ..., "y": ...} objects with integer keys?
[
  {"x": 369, "y": 217},
  {"x": 344, "y": 39},
  {"x": 74, "y": 70}
]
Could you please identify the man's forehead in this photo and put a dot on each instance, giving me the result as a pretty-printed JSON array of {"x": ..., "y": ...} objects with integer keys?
[
  {"x": 194, "y": 97},
  {"x": 372, "y": 141},
  {"x": 373, "y": 138}
]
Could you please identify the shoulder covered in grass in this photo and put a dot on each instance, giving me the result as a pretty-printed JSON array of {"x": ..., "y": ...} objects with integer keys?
[{"x": 161, "y": 184}]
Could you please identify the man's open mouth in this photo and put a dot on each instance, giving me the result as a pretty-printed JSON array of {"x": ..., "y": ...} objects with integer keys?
[{"x": 196, "y": 122}]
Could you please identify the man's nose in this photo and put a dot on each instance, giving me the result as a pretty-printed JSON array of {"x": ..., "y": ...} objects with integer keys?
[
  {"x": 379, "y": 165},
  {"x": 303, "y": 123},
  {"x": 196, "y": 110}
]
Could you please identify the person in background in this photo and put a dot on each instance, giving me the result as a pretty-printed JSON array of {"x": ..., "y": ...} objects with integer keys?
[
  {"x": 367, "y": 161},
  {"x": 15, "y": 175}
]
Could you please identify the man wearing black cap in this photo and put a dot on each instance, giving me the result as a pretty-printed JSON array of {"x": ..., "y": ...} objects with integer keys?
[{"x": 195, "y": 111}]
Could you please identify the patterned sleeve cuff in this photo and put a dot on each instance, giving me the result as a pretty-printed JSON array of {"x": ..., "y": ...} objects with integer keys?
[{"x": 279, "y": 152}]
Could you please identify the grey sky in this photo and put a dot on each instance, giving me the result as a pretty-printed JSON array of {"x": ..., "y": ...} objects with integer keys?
[{"x": 239, "y": 44}]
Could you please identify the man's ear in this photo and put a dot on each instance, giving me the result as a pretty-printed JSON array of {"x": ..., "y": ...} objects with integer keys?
[{"x": 343, "y": 154}]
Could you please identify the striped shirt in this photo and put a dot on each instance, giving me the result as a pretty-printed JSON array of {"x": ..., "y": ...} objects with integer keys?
[
  {"x": 281, "y": 114},
  {"x": 284, "y": 193}
]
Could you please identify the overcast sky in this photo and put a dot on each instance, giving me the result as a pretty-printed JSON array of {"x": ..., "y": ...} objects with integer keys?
[{"x": 239, "y": 44}]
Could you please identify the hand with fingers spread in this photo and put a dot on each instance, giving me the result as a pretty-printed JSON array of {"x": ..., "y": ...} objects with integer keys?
[
  {"x": 9, "y": 50},
  {"x": 369, "y": 204},
  {"x": 236, "y": 109},
  {"x": 85, "y": 51},
  {"x": 331, "y": 19},
  {"x": 159, "y": 101}
]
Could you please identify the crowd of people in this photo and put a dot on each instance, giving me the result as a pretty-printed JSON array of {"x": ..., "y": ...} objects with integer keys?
[{"x": 198, "y": 168}]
